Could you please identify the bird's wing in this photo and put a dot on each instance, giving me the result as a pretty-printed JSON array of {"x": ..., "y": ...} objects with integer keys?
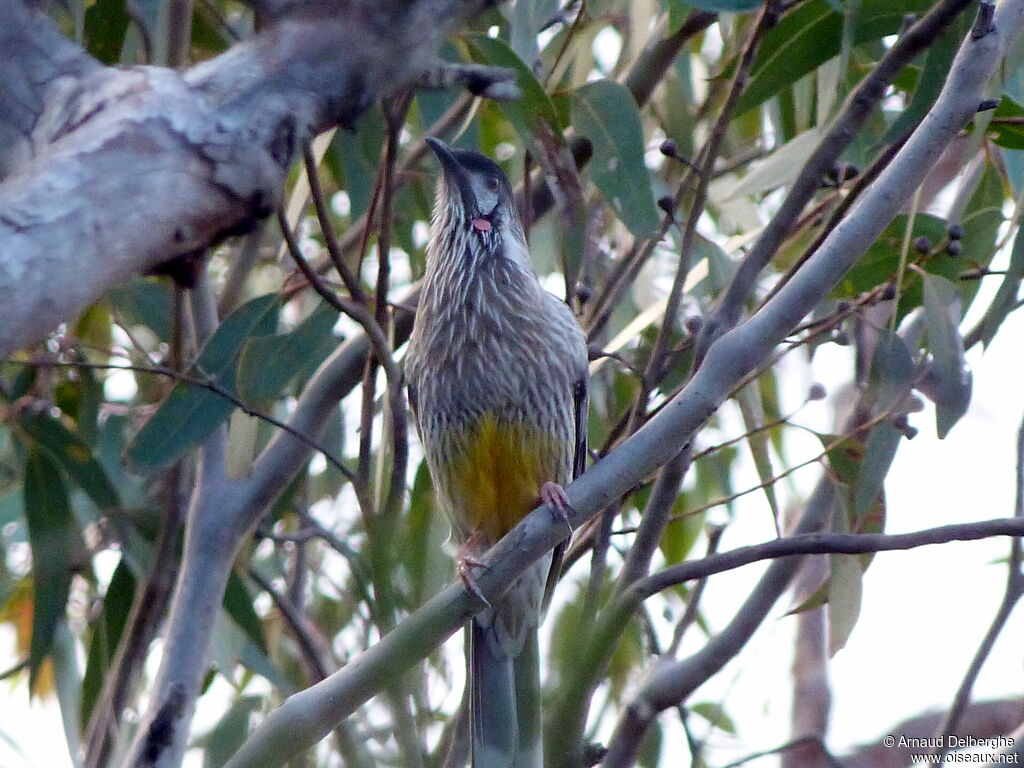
[
  {"x": 412, "y": 407},
  {"x": 580, "y": 402}
]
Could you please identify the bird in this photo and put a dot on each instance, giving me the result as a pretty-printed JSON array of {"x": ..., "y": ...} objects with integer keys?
[{"x": 497, "y": 380}]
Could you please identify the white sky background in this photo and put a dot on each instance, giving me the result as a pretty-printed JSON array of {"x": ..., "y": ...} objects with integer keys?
[{"x": 924, "y": 611}]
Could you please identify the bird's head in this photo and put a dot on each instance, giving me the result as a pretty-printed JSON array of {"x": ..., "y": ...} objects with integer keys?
[{"x": 474, "y": 196}]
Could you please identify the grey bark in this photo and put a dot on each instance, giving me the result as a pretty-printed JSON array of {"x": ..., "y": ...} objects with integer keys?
[{"x": 108, "y": 172}]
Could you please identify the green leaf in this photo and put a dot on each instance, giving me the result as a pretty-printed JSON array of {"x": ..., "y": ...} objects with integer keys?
[
  {"x": 117, "y": 604},
  {"x": 238, "y": 604},
  {"x": 533, "y": 106},
  {"x": 844, "y": 599},
  {"x": 892, "y": 372},
  {"x": 52, "y": 537},
  {"x": 424, "y": 560},
  {"x": 938, "y": 60},
  {"x": 191, "y": 413},
  {"x": 810, "y": 36},
  {"x": 267, "y": 363},
  {"x": 106, "y": 24},
  {"x": 878, "y": 455},
  {"x": 752, "y": 409},
  {"x": 145, "y": 301},
  {"x": 778, "y": 169},
  {"x": 1005, "y": 129},
  {"x": 605, "y": 112},
  {"x": 1005, "y": 300},
  {"x": 715, "y": 715},
  {"x": 981, "y": 222},
  {"x": 845, "y": 585},
  {"x": 681, "y": 533},
  {"x": 353, "y": 157},
  {"x": 949, "y": 376},
  {"x": 844, "y": 458},
  {"x": 528, "y": 18},
  {"x": 227, "y": 736},
  {"x": 73, "y": 455}
]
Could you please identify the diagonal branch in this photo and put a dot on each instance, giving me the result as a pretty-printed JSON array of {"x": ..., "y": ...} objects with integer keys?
[
  {"x": 309, "y": 715},
  {"x": 303, "y": 718},
  {"x": 858, "y": 106}
]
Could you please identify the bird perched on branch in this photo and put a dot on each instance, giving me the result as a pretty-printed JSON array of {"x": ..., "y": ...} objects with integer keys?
[{"x": 497, "y": 371}]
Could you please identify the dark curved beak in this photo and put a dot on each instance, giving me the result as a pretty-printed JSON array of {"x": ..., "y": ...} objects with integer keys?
[{"x": 454, "y": 173}]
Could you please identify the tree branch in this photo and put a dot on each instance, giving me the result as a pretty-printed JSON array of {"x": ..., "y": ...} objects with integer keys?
[
  {"x": 844, "y": 128},
  {"x": 151, "y": 163},
  {"x": 310, "y": 715}
]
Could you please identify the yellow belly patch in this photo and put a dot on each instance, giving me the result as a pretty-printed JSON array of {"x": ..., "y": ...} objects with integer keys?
[{"x": 501, "y": 469}]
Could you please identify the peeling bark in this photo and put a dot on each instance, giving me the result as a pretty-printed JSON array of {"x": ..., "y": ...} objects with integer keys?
[{"x": 109, "y": 171}]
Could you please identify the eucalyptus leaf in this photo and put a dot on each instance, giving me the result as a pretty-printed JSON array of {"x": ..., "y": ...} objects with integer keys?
[
  {"x": 844, "y": 599},
  {"x": 533, "y": 105},
  {"x": 73, "y": 455},
  {"x": 528, "y": 18},
  {"x": 606, "y": 113},
  {"x": 950, "y": 379},
  {"x": 191, "y": 413},
  {"x": 892, "y": 372},
  {"x": 879, "y": 453},
  {"x": 52, "y": 535},
  {"x": 106, "y": 634},
  {"x": 238, "y": 605},
  {"x": 811, "y": 35},
  {"x": 267, "y": 364},
  {"x": 1005, "y": 300}
]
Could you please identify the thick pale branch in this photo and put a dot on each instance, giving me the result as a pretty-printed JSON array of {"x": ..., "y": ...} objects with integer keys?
[{"x": 112, "y": 171}]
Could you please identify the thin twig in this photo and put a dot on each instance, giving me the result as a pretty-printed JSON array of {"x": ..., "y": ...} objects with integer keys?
[
  {"x": 323, "y": 215},
  {"x": 203, "y": 383}
]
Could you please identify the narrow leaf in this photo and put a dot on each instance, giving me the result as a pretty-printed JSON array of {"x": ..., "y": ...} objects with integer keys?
[
  {"x": 606, "y": 113},
  {"x": 533, "y": 104},
  {"x": 811, "y": 35},
  {"x": 878, "y": 455},
  {"x": 950, "y": 379},
  {"x": 528, "y": 19},
  {"x": 749, "y": 400},
  {"x": 73, "y": 455},
  {"x": 190, "y": 413},
  {"x": 106, "y": 634},
  {"x": 892, "y": 371},
  {"x": 1005, "y": 300},
  {"x": 52, "y": 534},
  {"x": 776, "y": 170},
  {"x": 267, "y": 363},
  {"x": 238, "y": 604},
  {"x": 843, "y": 600}
]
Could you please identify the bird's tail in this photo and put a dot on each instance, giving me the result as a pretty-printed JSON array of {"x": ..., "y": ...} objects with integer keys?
[{"x": 505, "y": 702}]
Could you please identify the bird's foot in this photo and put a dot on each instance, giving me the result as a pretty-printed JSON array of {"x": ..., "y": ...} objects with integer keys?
[
  {"x": 466, "y": 561},
  {"x": 555, "y": 497}
]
